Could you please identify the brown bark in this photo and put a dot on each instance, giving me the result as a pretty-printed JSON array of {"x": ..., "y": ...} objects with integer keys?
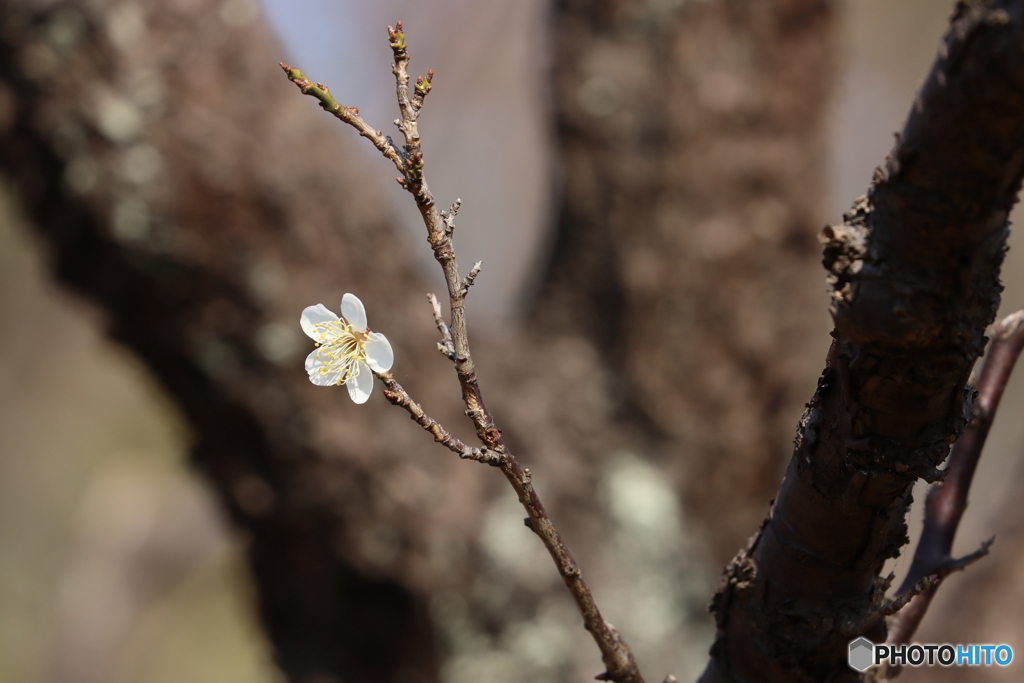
[
  {"x": 914, "y": 279},
  {"x": 692, "y": 145},
  {"x": 184, "y": 190}
]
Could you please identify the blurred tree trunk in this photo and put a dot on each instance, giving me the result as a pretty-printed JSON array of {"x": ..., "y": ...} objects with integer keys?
[
  {"x": 185, "y": 190},
  {"x": 692, "y": 143}
]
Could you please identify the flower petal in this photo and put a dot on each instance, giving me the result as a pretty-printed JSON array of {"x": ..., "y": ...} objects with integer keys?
[
  {"x": 379, "y": 355},
  {"x": 315, "y": 367},
  {"x": 352, "y": 310},
  {"x": 312, "y": 315},
  {"x": 361, "y": 386}
]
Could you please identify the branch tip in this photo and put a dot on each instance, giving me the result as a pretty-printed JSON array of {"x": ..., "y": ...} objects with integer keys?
[
  {"x": 470, "y": 278},
  {"x": 1008, "y": 326},
  {"x": 445, "y": 346}
]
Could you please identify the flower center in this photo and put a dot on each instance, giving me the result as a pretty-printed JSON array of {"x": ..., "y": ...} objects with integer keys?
[{"x": 342, "y": 349}]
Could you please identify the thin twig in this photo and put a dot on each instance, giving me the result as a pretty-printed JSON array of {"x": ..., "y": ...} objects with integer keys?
[
  {"x": 947, "y": 501},
  {"x": 349, "y": 115},
  {"x": 932, "y": 581},
  {"x": 470, "y": 278},
  {"x": 445, "y": 345},
  {"x": 620, "y": 664},
  {"x": 448, "y": 217},
  {"x": 396, "y": 394}
]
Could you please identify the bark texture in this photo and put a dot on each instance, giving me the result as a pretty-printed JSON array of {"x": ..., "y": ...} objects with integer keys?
[
  {"x": 691, "y": 137},
  {"x": 914, "y": 277},
  {"x": 184, "y": 190}
]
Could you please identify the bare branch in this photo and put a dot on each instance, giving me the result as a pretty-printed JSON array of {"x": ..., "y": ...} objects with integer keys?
[
  {"x": 407, "y": 123},
  {"x": 423, "y": 86},
  {"x": 396, "y": 394},
  {"x": 620, "y": 664},
  {"x": 445, "y": 345},
  {"x": 349, "y": 115},
  {"x": 932, "y": 581},
  {"x": 448, "y": 217},
  {"x": 470, "y": 278}
]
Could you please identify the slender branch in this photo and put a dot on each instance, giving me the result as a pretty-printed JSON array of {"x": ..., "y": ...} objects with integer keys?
[
  {"x": 410, "y": 112},
  {"x": 448, "y": 217},
  {"x": 947, "y": 501},
  {"x": 445, "y": 345},
  {"x": 349, "y": 115},
  {"x": 396, "y": 394},
  {"x": 620, "y": 664},
  {"x": 470, "y": 278},
  {"x": 933, "y": 580}
]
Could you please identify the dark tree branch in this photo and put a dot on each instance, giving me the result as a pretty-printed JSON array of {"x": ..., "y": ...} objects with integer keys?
[
  {"x": 914, "y": 282},
  {"x": 947, "y": 501}
]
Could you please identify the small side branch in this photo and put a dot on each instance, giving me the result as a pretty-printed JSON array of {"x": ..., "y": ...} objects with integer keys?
[
  {"x": 349, "y": 115},
  {"x": 397, "y": 395},
  {"x": 947, "y": 501},
  {"x": 406, "y": 124},
  {"x": 445, "y": 345},
  {"x": 470, "y": 278},
  {"x": 448, "y": 217},
  {"x": 423, "y": 86},
  {"x": 931, "y": 582}
]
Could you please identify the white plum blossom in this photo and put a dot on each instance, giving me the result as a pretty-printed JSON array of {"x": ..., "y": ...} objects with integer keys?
[{"x": 346, "y": 349}]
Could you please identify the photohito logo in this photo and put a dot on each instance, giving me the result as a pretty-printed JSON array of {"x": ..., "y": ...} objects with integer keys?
[{"x": 864, "y": 654}]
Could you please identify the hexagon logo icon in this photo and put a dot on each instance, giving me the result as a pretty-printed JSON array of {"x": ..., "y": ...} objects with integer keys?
[{"x": 861, "y": 655}]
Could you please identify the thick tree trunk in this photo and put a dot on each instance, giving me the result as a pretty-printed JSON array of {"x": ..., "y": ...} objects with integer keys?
[{"x": 183, "y": 188}]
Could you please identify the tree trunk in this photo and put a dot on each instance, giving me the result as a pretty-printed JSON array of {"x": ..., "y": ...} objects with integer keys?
[
  {"x": 184, "y": 188},
  {"x": 693, "y": 163}
]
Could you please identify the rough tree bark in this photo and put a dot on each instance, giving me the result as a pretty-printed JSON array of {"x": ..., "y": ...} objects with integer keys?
[
  {"x": 914, "y": 277},
  {"x": 692, "y": 143}
]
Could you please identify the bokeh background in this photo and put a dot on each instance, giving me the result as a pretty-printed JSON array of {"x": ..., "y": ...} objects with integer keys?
[{"x": 117, "y": 561}]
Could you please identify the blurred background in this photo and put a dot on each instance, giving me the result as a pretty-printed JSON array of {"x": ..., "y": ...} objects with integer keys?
[{"x": 643, "y": 181}]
